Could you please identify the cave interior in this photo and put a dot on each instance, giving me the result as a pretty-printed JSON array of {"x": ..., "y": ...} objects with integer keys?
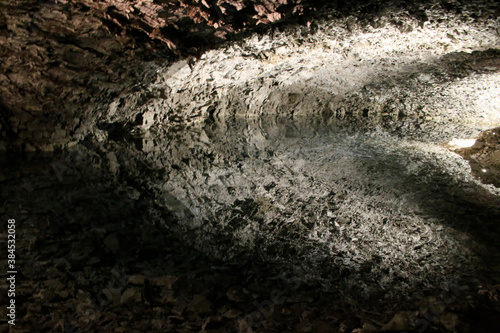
[{"x": 250, "y": 166}]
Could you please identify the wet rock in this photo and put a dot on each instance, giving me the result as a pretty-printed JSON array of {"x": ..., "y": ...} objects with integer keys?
[
  {"x": 484, "y": 156},
  {"x": 111, "y": 242},
  {"x": 130, "y": 295},
  {"x": 200, "y": 305},
  {"x": 400, "y": 322}
]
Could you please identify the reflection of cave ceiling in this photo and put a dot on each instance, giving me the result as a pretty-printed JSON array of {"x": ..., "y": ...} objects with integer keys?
[{"x": 331, "y": 207}]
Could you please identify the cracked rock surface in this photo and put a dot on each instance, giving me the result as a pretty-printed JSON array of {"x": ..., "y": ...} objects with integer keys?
[
  {"x": 332, "y": 207},
  {"x": 67, "y": 66},
  {"x": 262, "y": 225},
  {"x": 214, "y": 168}
]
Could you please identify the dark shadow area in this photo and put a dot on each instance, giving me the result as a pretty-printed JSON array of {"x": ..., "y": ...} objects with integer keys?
[{"x": 83, "y": 242}]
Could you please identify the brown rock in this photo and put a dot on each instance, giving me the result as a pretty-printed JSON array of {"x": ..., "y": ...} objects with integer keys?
[
  {"x": 231, "y": 314},
  {"x": 449, "y": 321},
  {"x": 200, "y": 305},
  {"x": 400, "y": 322},
  {"x": 370, "y": 328},
  {"x": 64, "y": 294},
  {"x": 136, "y": 280},
  {"x": 165, "y": 281},
  {"x": 54, "y": 285},
  {"x": 49, "y": 296},
  {"x": 130, "y": 295}
]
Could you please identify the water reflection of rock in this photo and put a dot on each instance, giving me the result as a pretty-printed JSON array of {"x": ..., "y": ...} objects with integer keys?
[
  {"x": 364, "y": 213},
  {"x": 484, "y": 156}
]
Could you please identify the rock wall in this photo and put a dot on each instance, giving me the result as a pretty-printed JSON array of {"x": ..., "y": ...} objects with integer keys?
[
  {"x": 427, "y": 82},
  {"x": 62, "y": 61},
  {"x": 68, "y": 66},
  {"x": 59, "y": 62}
]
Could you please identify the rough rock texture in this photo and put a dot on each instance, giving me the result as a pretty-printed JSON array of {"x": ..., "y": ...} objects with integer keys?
[
  {"x": 332, "y": 208},
  {"x": 298, "y": 174},
  {"x": 67, "y": 66},
  {"x": 325, "y": 227},
  {"x": 63, "y": 60},
  {"x": 58, "y": 63},
  {"x": 426, "y": 81}
]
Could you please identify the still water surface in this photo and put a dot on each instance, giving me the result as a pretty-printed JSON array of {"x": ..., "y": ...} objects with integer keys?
[{"x": 364, "y": 212}]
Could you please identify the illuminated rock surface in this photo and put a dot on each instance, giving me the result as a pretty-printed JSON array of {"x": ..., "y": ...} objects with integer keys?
[{"x": 215, "y": 172}]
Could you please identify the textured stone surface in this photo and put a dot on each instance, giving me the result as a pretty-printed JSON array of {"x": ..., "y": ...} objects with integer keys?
[
  {"x": 291, "y": 180},
  {"x": 68, "y": 66},
  {"x": 435, "y": 79},
  {"x": 328, "y": 206},
  {"x": 59, "y": 63},
  {"x": 236, "y": 214},
  {"x": 484, "y": 156},
  {"x": 420, "y": 81},
  {"x": 63, "y": 61}
]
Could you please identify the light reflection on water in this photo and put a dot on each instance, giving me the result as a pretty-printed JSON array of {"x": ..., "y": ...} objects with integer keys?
[
  {"x": 362, "y": 210},
  {"x": 363, "y": 213}
]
